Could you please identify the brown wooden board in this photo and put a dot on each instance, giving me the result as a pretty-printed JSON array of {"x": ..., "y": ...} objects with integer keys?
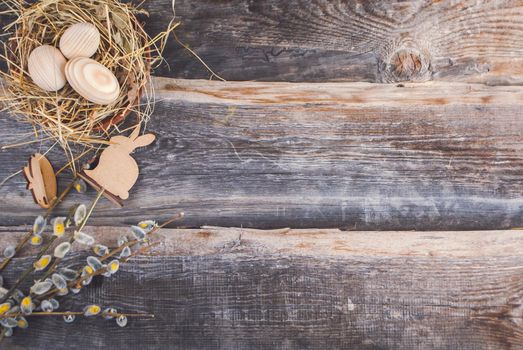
[
  {"x": 429, "y": 156},
  {"x": 302, "y": 289},
  {"x": 445, "y": 153},
  {"x": 320, "y": 40},
  {"x": 333, "y": 40}
]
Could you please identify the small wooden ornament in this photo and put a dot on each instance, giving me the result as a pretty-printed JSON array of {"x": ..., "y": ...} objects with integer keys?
[
  {"x": 41, "y": 180},
  {"x": 92, "y": 80},
  {"x": 117, "y": 171},
  {"x": 46, "y": 66},
  {"x": 80, "y": 40}
]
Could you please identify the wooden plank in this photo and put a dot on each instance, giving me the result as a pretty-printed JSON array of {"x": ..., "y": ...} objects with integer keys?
[
  {"x": 433, "y": 156},
  {"x": 218, "y": 288},
  {"x": 321, "y": 40},
  {"x": 214, "y": 240}
]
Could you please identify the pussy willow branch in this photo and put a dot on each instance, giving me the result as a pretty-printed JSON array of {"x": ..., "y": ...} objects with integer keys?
[
  {"x": 76, "y": 313},
  {"x": 48, "y": 213},
  {"x": 28, "y": 235},
  {"x": 134, "y": 242},
  {"x": 80, "y": 227},
  {"x": 79, "y": 280},
  {"x": 44, "y": 249},
  {"x": 169, "y": 221},
  {"x": 101, "y": 271}
]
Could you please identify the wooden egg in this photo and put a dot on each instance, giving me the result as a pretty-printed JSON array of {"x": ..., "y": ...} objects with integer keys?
[
  {"x": 92, "y": 80},
  {"x": 80, "y": 40},
  {"x": 46, "y": 66}
]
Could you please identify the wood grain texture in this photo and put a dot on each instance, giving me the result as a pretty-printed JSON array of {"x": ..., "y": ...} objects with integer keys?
[
  {"x": 432, "y": 156},
  {"x": 372, "y": 41},
  {"x": 429, "y": 156},
  {"x": 326, "y": 40},
  {"x": 41, "y": 180},
  {"x": 213, "y": 240},
  {"x": 218, "y": 288}
]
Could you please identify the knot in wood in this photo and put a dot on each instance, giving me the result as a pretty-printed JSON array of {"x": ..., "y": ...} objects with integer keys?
[
  {"x": 405, "y": 64},
  {"x": 404, "y": 61}
]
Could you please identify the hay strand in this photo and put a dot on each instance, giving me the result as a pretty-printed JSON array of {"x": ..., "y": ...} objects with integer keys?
[{"x": 125, "y": 48}]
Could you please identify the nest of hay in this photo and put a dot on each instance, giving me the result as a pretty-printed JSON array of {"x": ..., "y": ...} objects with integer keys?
[{"x": 125, "y": 48}]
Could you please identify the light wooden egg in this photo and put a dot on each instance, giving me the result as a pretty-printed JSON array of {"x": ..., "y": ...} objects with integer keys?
[
  {"x": 46, "y": 66},
  {"x": 92, "y": 80},
  {"x": 80, "y": 40}
]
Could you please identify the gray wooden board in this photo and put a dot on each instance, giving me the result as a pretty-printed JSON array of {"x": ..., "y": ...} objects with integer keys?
[
  {"x": 270, "y": 302},
  {"x": 325, "y": 40},
  {"x": 430, "y": 156},
  {"x": 320, "y": 40},
  {"x": 349, "y": 155},
  {"x": 276, "y": 290}
]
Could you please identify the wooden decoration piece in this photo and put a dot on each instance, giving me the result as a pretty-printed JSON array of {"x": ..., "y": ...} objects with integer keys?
[
  {"x": 92, "y": 80},
  {"x": 80, "y": 40},
  {"x": 46, "y": 66},
  {"x": 41, "y": 180},
  {"x": 117, "y": 171}
]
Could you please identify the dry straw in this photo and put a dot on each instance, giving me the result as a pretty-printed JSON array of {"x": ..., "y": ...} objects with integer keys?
[{"x": 125, "y": 48}]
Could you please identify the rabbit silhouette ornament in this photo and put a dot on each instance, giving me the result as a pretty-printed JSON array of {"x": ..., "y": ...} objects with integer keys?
[{"x": 117, "y": 171}]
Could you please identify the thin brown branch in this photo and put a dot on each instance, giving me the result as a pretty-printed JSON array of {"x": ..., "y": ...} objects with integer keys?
[
  {"x": 48, "y": 213},
  {"x": 78, "y": 281},
  {"x": 80, "y": 227},
  {"x": 76, "y": 313}
]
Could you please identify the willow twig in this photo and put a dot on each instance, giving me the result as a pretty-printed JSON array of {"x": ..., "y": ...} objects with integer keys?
[
  {"x": 80, "y": 227},
  {"x": 78, "y": 281},
  {"x": 44, "y": 249},
  {"x": 75, "y": 313},
  {"x": 28, "y": 235},
  {"x": 169, "y": 221}
]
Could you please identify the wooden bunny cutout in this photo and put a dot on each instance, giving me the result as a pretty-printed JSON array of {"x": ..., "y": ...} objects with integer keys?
[{"x": 116, "y": 171}]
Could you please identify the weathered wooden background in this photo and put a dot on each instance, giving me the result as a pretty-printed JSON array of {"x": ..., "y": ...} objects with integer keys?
[
  {"x": 218, "y": 288},
  {"x": 358, "y": 115}
]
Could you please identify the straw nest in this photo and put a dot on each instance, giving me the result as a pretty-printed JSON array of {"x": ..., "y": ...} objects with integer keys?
[{"x": 125, "y": 48}]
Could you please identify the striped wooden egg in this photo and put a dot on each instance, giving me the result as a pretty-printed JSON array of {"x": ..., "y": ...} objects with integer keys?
[
  {"x": 80, "y": 40},
  {"x": 46, "y": 68}
]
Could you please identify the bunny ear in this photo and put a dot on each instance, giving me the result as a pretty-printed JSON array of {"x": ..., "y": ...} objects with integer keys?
[
  {"x": 144, "y": 140},
  {"x": 135, "y": 132}
]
